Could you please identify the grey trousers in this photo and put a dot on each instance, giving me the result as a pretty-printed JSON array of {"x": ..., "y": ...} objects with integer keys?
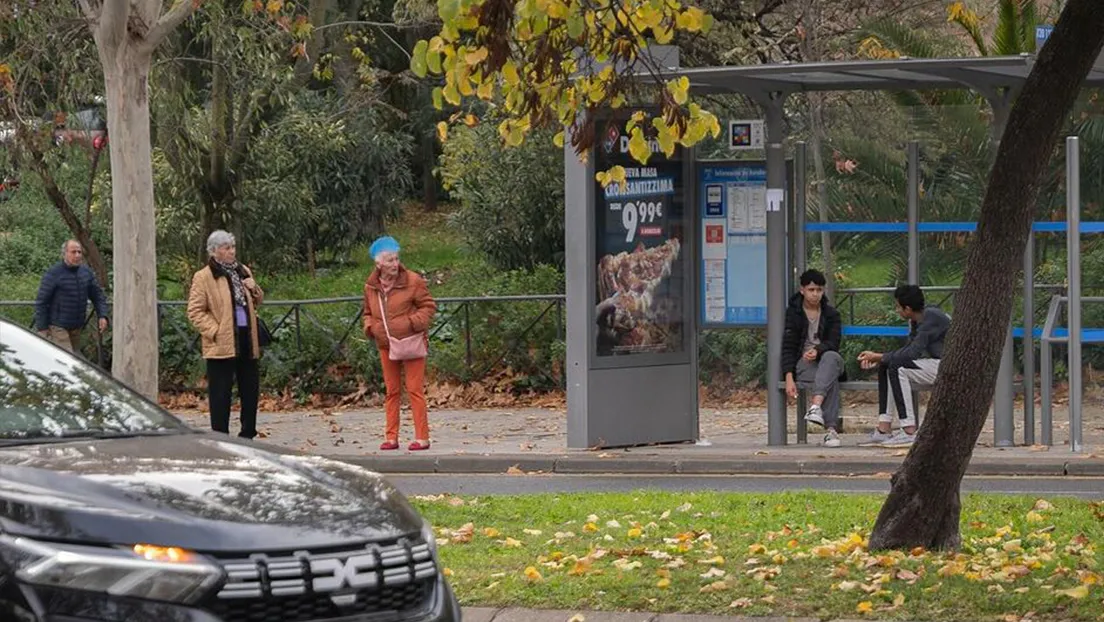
[{"x": 823, "y": 376}]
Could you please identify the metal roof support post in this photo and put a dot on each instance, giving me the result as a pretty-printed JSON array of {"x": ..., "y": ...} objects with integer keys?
[
  {"x": 1004, "y": 425},
  {"x": 1073, "y": 275},
  {"x": 776, "y": 265},
  {"x": 913, "y": 212},
  {"x": 1029, "y": 341}
]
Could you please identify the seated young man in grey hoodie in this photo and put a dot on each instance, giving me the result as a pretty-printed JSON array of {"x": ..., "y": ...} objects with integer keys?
[{"x": 914, "y": 365}]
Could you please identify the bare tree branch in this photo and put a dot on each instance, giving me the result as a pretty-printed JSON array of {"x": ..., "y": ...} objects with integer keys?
[{"x": 182, "y": 10}]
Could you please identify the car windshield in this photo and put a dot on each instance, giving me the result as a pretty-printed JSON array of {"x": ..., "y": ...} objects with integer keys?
[{"x": 48, "y": 394}]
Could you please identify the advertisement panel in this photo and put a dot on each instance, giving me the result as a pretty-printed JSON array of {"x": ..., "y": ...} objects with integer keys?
[{"x": 639, "y": 247}]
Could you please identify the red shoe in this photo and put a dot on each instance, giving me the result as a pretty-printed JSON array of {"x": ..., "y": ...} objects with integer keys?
[
  {"x": 389, "y": 445},
  {"x": 418, "y": 446}
]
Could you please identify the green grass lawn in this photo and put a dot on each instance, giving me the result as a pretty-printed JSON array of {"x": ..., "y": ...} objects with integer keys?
[{"x": 793, "y": 554}]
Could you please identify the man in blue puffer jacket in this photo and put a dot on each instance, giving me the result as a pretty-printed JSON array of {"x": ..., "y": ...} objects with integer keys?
[{"x": 63, "y": 298}]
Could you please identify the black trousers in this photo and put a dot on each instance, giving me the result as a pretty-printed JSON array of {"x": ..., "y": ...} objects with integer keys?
[
  {"x": 889, "y": 382},
  {"x": 221, "y": 374}
]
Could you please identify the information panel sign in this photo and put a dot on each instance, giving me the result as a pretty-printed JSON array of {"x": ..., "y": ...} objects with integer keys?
[{"x": 733, "y": 271}]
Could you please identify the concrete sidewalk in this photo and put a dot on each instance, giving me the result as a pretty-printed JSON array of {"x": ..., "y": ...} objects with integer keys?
[
  {"x": 485, "y": 614},
  {"x": 530, "y": 440}
]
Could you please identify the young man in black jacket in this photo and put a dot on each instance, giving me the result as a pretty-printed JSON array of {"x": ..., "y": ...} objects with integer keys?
[
  {"x": 810, "y": 353},
  {"x": 914, "y": 365}
]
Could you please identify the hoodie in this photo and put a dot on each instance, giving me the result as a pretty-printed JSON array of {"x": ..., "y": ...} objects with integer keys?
[{"x": 925, "y": 339}]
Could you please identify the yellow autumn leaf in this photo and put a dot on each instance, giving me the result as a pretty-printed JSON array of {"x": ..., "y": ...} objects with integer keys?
[
  {"x": 638, "y": 147},
  {"x": 490, "y": 532},
  {"x": 717, "y": 561},
  {"x": 679, "y": 89},
  {"x": 451, "y": 94},
  {"x": 1076, "y": 593},
  {"x": 1035, "y": 517},
  {"x": 635, "y": 532},
  {"x": 663, "y": 583},
  {"x": 470, "y": 120},
  {"x": 442, "y": 131},
  {"x": 558, "y": 139},
  {"x": 511, "y": 543},
  {"x": 898, "y": 600},
  {"x": 865, "y": 607},
  {"x": 447, "y": 572},
  {"x": 590, "y": 527},
  {"x": 476, "y": 56},
  {"x": 533, "y": 574}
]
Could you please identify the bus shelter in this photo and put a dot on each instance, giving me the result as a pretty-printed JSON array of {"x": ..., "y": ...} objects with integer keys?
[{"x": 685, "y": 245}]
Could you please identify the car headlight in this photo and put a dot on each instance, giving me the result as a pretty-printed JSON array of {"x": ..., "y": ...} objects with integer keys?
[{"x": 142, "y": 571}]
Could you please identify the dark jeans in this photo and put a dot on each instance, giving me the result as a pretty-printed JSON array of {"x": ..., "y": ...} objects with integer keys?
[{"x": 220, "y": 386}]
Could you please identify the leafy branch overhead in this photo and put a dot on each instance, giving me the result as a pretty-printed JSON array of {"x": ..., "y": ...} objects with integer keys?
[{"x": 542, "y": 63}]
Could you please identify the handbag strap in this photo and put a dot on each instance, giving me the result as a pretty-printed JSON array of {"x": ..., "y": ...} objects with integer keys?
[{"x": 383, "y": 316}]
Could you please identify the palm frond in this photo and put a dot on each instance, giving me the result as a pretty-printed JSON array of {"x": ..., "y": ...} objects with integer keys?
[
  {"x": 1029, "y": 18},
  {"x": 902, "y": 39},
  {"x": 1006, "y": 36},
  {"x": 965, "y": 17}
]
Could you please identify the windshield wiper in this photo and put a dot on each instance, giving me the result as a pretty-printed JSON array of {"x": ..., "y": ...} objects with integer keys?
[{"x": 43, "y": 436}]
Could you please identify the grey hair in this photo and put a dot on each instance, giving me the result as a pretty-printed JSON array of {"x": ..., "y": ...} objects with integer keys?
[
  {"x": 218, "y": 239},
  {"x": 65, "y": 246}
]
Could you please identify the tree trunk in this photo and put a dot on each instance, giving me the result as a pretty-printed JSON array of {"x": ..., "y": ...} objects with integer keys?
[
  {"x": 816, "y": 143},
  {"x": 429, "y": 182},
  {"x": 135, "y": 344},
  {"x": 923, "y": 507}
]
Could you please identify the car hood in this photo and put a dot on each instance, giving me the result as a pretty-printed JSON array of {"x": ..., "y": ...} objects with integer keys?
[{"x": 202, "y": 492}]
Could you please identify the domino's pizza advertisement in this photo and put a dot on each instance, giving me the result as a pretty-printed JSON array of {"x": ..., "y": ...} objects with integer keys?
[{"x": 639, "y": 253}]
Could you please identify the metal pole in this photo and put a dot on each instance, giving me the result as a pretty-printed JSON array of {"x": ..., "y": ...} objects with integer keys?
[
  {"x": 1046, "y": 373},
  {"x": 800, "y": 211},
  {"x": 913, "y": 212},
  {"x": 1004, "y": 398},
  {"x": 1029, "y": 341},
  {"x": 1073, "y": 263},
  {"x": 776, "y": 271}
]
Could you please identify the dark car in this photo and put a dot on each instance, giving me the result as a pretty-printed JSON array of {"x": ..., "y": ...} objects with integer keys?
[{"x": 111, "y": 509}]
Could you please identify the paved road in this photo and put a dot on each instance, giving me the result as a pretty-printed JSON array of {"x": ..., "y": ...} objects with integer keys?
[{"x": 1086, "y": 488}]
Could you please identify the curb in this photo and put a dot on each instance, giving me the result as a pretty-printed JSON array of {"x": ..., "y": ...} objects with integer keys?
[{"x": 590, "y": 465}]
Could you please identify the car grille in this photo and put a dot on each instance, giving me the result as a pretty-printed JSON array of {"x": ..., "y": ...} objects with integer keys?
[{"x": 305, "y": 586}]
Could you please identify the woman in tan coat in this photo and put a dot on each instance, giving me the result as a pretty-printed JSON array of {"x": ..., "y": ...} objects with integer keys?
[
  {"x": 407, "y": 310},
  {"x": 222, "y": 306}
]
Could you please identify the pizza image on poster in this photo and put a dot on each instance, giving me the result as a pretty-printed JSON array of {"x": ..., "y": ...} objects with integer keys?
[{"x": 635, "y": 312}]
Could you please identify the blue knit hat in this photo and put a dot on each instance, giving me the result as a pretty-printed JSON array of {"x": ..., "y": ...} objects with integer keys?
[{"x": 386, "y": 244}]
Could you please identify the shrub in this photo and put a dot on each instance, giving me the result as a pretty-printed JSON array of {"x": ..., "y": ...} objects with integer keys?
[{"x": 511, "y": 199}]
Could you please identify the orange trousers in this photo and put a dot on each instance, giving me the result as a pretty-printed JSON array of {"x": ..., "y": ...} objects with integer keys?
[{"x": 415, "y": 388}]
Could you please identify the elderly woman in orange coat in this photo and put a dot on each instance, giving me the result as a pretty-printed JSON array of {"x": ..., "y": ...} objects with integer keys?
[{"x": 398, "y": 311}]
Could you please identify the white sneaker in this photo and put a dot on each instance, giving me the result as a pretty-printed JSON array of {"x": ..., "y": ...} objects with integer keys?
[
  {"x": 831, "y": 439},
  {"x": 900, "y": 439},
  {"x": 877, "y": 437},
  {"x": 814, "y": 415}
]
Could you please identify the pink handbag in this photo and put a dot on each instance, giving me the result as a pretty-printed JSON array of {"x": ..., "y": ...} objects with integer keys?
[{"x": 407, "y": 348}]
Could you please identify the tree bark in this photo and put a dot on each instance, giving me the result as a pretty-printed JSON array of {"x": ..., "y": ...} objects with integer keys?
[
  {"x": 134, "y": 347},
  {"x": 127, "y": 32},
  {"x": 923, "y": 507}
]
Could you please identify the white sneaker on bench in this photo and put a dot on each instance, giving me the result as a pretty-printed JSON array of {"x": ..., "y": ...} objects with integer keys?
[{"x": 814, "y": 415}]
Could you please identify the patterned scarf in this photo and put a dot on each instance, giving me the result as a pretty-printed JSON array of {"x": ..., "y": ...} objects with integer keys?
[{"x": 236, "y": 286}]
